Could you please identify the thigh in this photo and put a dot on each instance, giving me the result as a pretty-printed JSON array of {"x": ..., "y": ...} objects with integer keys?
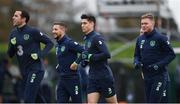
[
  {"x": 112, "y": 99},
  {"x": 93, "y": 97},
  {"x": 74, "y": 88},
  {"x": 32, "y": 85},
  {"x": 93, "y": 86},
  {"x": 62, "y": 93},
  {"x": 157, "y": 90},
  {"x": 107, "y": 87},
  {"x": 165, "y": 97},
  {"x": 147, "y": 88}
]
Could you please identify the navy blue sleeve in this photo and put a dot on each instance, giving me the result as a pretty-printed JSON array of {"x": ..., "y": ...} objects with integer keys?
[
  {"x": 169, "y": 53},
  {"x": 74, "y": 46},
  {"x": 103, "y": 52},
  {"x": 11, "y": 47},
  {"x": 40, "y": 37},
  {"x": 137, "y": 56}
]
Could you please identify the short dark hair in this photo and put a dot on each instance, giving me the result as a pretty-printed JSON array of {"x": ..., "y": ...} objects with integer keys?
[
  {"x": 61, "y": 24},
  {"x": 25, "y": 14},
  {"x": 148, "y": 15},
  {"x": 89, "y": 17}
]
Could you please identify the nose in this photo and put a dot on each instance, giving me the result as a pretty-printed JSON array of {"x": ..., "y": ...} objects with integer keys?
[{"x": 13, "y": 17}]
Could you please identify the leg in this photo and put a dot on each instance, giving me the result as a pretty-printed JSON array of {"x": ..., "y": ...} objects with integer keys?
[
  {"x": 40, "y": 98},
  {"x": 62, "y": 93},
  {"x": 147, "y": 89},
  {"x": 74, "y": 88},
  {"x": 93, "y": 97},
  {"x": 46, "y": 91},
  {"x": 157, "y": 90},
  {"x": 165, "y": 98},
  {"x": 108, "y": 90},
  {"x": 93, "y": 90},
  {"x": 32, "y": 86},
  {"x": 112, "y": 99}
]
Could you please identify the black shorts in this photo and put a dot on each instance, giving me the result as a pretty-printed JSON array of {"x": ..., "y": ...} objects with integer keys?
[{"x": 103, "y": 86}]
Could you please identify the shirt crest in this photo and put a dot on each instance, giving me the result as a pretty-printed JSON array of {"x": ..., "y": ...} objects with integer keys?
[
  {"x": 62, "y": 48},
  {"x": 26, "y": 36},
  {"x": 152, "y": 43}
]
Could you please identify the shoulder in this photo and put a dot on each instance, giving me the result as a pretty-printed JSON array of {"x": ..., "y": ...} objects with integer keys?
[
  {"x": 71, "y": 42},
  {"x": 33, "y": 29},
  {"x": 140, "y": 37},
  {"x": 13, "y": 32},
  {"x": 98, "y": 36},
  {"x": 160, "y": 37}
]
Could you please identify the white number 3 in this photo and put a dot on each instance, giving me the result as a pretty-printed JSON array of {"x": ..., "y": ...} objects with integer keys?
[{"x": 20, "y": 50}]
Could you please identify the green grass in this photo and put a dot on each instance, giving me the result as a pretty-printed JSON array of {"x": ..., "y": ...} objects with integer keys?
[
  {"x": 3, "y": 47},
  {"x": 175, "y": 44},
  {"x": 127, "y": 55}
]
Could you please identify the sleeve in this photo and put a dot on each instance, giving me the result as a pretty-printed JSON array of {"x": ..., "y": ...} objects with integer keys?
[
  {"x": 76, "y": 47},
  {"x": 169, "y": 52},
  {"x": 137, "y": 56},
  {"x": 11, "y": 47},
  {"x": 41, "y": 37},
  {"x": 103, "y": 52}
]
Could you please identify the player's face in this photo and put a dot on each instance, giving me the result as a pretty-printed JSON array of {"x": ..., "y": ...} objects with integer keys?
[
  {"x": 87, "y": 26},
  {"x": 58, "y": 31},
  {"x": 17, "y": 19},
  {"x": 147, "y": 25}
]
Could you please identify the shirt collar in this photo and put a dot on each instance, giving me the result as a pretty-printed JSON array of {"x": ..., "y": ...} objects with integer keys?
[
  {"x": 150, "y": 34},
  {"x": 22, "y": 28},
  {"x": 87, "y": 36},
  {"x": 62, "y": 39}
]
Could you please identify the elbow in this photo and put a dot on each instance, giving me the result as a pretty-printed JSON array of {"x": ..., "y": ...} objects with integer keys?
[
  {"x": 51, "y": 44},
  {"x": 107, "y": 55},
  {"x": 10, "y": 54},
  {"x": 174, "y": 56}
]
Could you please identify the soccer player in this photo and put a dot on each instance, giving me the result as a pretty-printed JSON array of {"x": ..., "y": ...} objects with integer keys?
[
  {"x": 152, "y": 54},
  {"x": 100, "y": 80},
  {"x": 69, "y": 85},
  {"x": 24, "y": 42}
]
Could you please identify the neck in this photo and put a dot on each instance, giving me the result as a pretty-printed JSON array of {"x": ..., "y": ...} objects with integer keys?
[
  {"x": 21, "y": 25},
  {"x": 89, "y": 31},
  {"x": 61, "y": 37}
]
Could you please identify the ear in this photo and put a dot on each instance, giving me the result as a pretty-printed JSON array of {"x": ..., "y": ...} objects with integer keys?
[{"x": 24, "y": 19}]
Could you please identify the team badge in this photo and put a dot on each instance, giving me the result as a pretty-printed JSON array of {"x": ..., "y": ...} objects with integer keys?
[
  {"x": 13, "y": 41},
  {"x": 34, "y": 56},
  {"x": 155, "y": 67},
  {"x": 152, "y": 43},
  {"x": 62, "y": 48},
  {"x": 26, "y": 36}
]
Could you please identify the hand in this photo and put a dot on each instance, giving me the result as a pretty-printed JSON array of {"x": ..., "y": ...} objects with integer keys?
[
  {"x": 86, "y": 56},
  {"x": 74, "y": 66},
  {"x": 138, "y": 66}
]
